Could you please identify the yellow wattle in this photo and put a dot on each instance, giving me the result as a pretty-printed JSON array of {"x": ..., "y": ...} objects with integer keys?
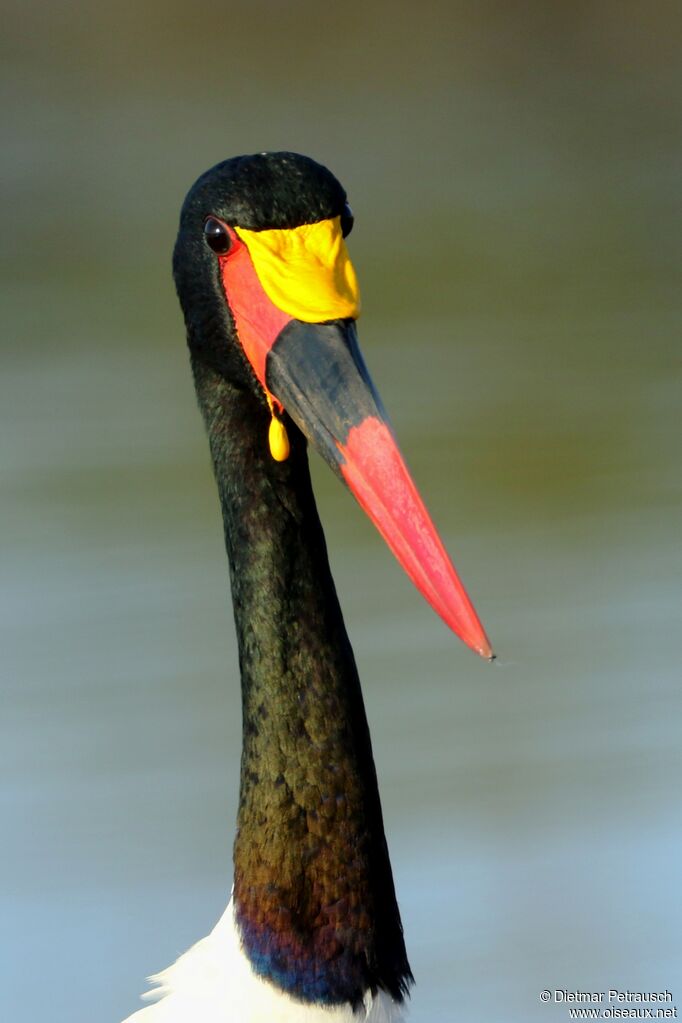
[{"x": 278, "y": 440}]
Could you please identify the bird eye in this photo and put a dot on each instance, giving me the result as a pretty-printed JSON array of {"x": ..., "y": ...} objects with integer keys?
[
  {"x": 347, "y": 220},
  {"x": 217, "y": 236}
]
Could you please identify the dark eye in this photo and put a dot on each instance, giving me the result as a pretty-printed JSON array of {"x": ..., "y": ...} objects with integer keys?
[
  {"x": 216, "y": 235},
  {"x": 347, "y": 220}
]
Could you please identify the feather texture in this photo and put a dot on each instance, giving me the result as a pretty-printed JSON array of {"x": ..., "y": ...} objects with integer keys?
[{"x": 214, "y": 983}]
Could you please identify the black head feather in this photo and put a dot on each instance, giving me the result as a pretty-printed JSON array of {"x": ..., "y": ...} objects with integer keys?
[{"x": 266, "y": 190}]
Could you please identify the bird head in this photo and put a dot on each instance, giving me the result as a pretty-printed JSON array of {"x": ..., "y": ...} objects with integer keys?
[{"x": 271, "y": 300}]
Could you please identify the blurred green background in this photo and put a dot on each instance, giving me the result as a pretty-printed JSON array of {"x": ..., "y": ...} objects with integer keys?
[{"x": 514, "y": 169}]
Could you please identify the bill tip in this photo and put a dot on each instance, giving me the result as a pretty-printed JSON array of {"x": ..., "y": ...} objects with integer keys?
[{"x": 485, "y": 651}]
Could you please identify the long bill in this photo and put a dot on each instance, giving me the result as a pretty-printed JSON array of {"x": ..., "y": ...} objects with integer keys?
[
  {"x": 318, "y": 374},
  {"x": 294, "y": 298}
]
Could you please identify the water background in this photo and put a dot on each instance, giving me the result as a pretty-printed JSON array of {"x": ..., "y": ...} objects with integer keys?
[{"x": 515, "y": 174}]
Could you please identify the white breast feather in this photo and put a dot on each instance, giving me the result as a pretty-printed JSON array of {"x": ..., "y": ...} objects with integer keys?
[{"x": 214, "y": 983}]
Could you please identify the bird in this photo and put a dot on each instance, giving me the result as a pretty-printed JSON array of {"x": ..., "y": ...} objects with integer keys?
[{"x": 312, "y": 932}]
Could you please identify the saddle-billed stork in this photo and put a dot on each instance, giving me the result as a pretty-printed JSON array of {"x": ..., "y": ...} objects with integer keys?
[{"x": 312, "y": 932}]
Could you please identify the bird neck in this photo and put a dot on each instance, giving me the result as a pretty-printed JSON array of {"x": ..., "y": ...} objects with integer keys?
[{"x": 313, "y": 891}]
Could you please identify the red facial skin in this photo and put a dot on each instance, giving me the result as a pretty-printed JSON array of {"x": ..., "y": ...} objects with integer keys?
[{"x": 257, "y": 320}]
